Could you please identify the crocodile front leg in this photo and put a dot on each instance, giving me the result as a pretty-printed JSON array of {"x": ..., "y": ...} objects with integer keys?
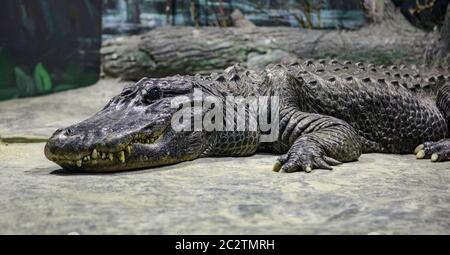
[
  {"x": 316, "y": 141},
  {"x": 440, "y": 150},
  {"x": 436, "y": 151}
]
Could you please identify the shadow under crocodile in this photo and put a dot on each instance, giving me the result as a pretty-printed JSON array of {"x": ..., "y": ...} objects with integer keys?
[{"x": 198, "y": 162}]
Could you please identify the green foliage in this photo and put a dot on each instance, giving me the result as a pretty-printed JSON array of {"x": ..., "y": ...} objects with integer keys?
[
  {"x": 42, "y": 79},
  {"x": 27, "y": 86},
  {"x": 24, "y": 82},
  {"x": 309, "y": 7}
]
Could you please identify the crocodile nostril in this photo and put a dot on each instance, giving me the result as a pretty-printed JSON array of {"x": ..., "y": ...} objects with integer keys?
[{"x": 68, "y": 132}]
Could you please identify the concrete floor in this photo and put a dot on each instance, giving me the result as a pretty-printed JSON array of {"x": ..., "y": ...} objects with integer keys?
[{"x": 384, "y": 194}]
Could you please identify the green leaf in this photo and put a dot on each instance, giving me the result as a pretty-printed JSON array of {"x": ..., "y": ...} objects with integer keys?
[
  {"x": 42, "y": 79},
  {"x": 24, "y": 82}
]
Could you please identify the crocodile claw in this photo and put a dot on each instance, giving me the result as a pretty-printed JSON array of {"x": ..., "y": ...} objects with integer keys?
[
  {"x": 435, "y": 151},
  {"x": 294, "y": 162}
]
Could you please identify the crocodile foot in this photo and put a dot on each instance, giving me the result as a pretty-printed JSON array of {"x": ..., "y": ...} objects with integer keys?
[
  {"x": 303, "y": 160},
  {"x": 436, "y": 151}
]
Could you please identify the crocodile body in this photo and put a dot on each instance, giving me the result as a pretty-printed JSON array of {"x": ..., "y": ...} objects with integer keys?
[{"x": 329, "y": 112}]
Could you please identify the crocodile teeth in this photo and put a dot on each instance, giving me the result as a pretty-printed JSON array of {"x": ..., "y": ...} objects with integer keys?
[
  {"x": 128, "y": 149},
  {"x": 110, "y": 156},
  {"x": 85, "y": 158},
  {"x": 79, "y": 163},
  {"x": 122, "y": 156},
  {"x": 94, "y": 154},
  {"x": 103, "y": 155}
]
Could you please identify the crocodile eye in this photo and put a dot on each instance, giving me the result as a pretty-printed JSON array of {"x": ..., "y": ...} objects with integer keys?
[{"x": 152, "y": 94}]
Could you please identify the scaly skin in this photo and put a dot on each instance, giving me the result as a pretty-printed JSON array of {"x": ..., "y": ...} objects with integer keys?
[{"x": 330, "y": 112}]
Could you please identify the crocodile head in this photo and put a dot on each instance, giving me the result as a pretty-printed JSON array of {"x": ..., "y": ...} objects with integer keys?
[{"x": 132, "y": 131}]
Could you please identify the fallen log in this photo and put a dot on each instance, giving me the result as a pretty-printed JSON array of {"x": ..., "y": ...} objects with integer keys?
[{"x": 187, "y": 50}]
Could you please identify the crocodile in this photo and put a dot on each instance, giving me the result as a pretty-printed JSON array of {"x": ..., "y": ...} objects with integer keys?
[{"x": 329, "y": 112}]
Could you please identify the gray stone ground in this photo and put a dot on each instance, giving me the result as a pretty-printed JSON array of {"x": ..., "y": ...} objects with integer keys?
[{"x": 385, "y": 194}]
